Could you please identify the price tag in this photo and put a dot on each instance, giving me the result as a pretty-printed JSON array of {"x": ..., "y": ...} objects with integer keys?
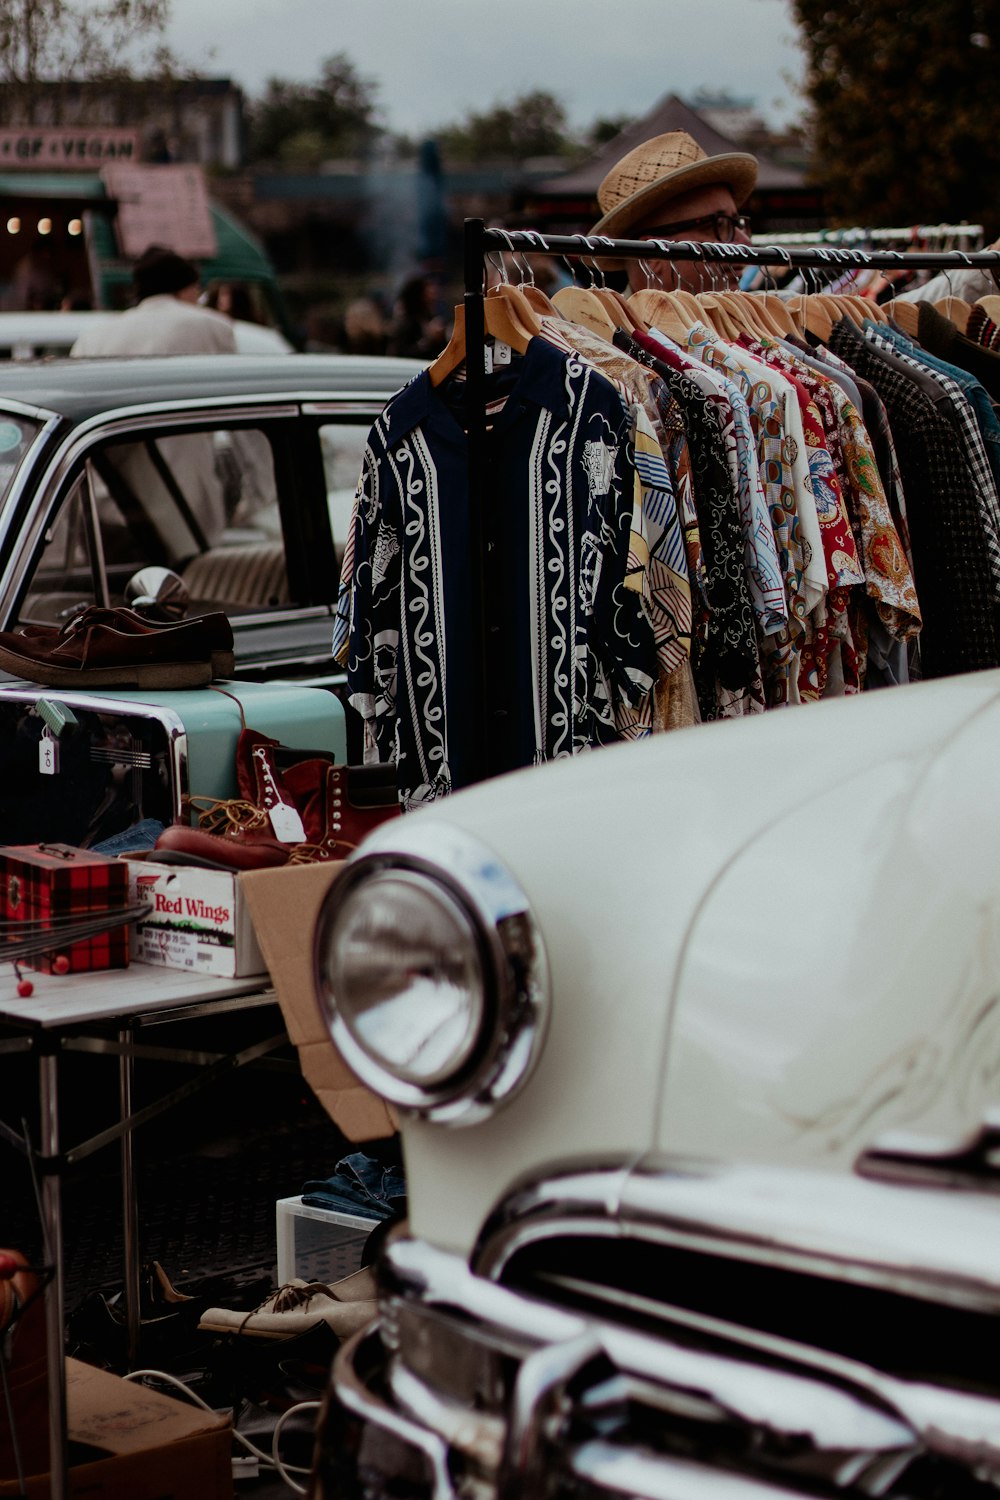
[
  {"x": 48, "y": 755},
  {"x": 501, "y": 353},
  {"x": 287, "y": 824}
]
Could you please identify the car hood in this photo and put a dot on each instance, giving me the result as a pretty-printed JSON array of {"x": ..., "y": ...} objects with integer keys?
[
  {"x": 841, "y": 979},
  {"x": 721, "y": 906}
]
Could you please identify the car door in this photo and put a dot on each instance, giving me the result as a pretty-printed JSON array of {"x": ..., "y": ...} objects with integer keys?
[{"x": 249, "y": 505}]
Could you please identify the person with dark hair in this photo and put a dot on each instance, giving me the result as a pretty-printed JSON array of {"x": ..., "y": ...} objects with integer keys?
[
  {"x": 166, "y": 318},
  {"x": 416, "y": 330}
]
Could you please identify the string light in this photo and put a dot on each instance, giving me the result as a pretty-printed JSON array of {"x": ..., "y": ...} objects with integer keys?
[
  {"x": 45, "y": 226},
  {"x": 14, "y": 226},
  {"x": 75, "y": 226}
]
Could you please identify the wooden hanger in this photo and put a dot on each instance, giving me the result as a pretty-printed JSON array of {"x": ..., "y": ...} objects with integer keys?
[
  {"x": 727, "y": 324},
  {"x": 540, "y": 301},
  {"x": 658, "y": 309},
  {"x": 906, "y": 315},
  {"x": 750, "y": 311},
  {"x": 617, "y": 305},
  {"x": 957, "y": 310},
  {"x": 520, "y": 309},
  {"x": 850, "y": 307},
  {"x": 582, "y": 305},
  {"x": 876, "y": 311},
  {"x": 815, "y": 317},
  {"x": 776, "y": 309},
  {"x": 499, "y": 322},
  {"x": 990, "y": 305}
]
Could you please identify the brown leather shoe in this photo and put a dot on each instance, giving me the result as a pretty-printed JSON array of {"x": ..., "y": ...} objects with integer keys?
[
  {"x": 339, "y": 805},
  {"x": 119, "y": 648},
  {"x": 215, "y": 851},
  {"x": 241, "y": 833}
]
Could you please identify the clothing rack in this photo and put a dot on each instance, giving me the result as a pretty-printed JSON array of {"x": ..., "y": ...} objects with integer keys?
[
  {"x": 480, "y": 241},
  {"x": 926, "y": 234}
]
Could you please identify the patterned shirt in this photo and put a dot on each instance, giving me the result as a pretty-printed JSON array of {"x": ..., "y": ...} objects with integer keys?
[
  {"x": 666, "y": 568},
  {"x": 949, "y": 554},
  {"x": 567, "y": 634},
  {"x": 767, "y": 589},
  {"x": 724, "y": 649}
]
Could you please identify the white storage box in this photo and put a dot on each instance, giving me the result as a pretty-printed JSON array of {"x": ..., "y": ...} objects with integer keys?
[
  {"x": 318, "y": 1244},
  {"x": 198, "y": 920}
]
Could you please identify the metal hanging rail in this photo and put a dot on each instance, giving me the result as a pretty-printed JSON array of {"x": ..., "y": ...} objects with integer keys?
[{"x": 825, "y": 256}]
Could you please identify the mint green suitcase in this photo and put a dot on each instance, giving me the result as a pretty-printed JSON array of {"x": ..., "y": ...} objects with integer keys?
[{"x": 77, "y": 767}]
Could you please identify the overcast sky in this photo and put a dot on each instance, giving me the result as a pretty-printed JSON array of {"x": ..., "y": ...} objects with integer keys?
[{"x": 434, "y": 60}]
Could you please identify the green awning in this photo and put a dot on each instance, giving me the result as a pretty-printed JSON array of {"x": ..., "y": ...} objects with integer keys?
[{"x": 51, "y": 185}]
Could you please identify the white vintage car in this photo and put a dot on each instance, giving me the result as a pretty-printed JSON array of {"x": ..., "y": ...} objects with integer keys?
[{"x": 695, "y": 1046}]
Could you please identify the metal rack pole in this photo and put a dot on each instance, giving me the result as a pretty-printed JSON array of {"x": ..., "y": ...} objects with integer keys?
[
  {"x": 822, "y": 257},
  {"x": 475, "y": 426}
]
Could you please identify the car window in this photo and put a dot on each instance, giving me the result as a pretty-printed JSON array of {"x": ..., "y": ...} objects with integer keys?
[
  {"x": 16, "y": 436},
  {"x": 343, "y": 448},
  {"x": 203, "y": 503}
]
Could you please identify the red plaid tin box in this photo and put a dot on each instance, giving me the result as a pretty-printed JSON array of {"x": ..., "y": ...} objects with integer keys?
[{"x": 49, "y": 886}]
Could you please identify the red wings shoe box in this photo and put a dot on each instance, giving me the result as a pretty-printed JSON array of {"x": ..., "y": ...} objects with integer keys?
[{"x": 51, "y": 884}]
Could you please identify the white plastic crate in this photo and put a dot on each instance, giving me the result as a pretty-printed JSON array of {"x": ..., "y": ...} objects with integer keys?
[{"x": 318, "y": 1244}]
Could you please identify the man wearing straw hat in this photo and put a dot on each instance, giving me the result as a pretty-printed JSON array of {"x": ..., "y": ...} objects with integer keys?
[{"x": 669, "y": 188}]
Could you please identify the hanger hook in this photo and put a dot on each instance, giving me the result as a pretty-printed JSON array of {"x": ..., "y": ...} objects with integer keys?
[
  {"x": 652, "y": 277},
  {"x": 525, "y": 275},
  {"x": 495, "y": 257}
]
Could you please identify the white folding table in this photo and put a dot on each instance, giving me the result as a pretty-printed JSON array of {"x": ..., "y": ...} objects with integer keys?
[{"x": 73, "y": 1012}]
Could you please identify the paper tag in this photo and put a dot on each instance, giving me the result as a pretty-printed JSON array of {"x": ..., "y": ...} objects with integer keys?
[
  {"x": 501, "y": 353},
  {"x": 488, "y": 360},
  {"x": 287, "y": 824},
  {"x": 48, "y": 755}
]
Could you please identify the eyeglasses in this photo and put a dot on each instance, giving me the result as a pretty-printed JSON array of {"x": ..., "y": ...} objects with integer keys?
[{"x": 726, "y": 226}]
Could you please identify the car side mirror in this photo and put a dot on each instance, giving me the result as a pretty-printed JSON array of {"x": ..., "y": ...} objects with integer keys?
[{"x": 157, "y": 592}]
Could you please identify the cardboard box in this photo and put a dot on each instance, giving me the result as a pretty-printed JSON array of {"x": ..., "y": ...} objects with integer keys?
[
  {"x": 53, "y": 884},
  {"x": 148, "y": 1446},
  {"x": 285, "y": 904},
  {"x": 199, "y": 920}
]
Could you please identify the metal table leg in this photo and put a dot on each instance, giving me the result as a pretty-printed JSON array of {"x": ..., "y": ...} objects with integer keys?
[
  {"x": 130, "y": 1207},
  {"x": 48, "y": 1093}
]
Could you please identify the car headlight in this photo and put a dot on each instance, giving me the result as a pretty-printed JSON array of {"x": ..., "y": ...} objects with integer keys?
[{"x": 431, "y": 975}]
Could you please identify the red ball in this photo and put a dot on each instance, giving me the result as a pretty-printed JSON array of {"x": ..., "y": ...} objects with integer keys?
[
  {"x": 25, "y": 988},
  {"x": 60, "y": 964}
]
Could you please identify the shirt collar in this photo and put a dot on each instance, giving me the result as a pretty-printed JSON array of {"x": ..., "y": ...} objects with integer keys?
[{"x": 540, "y": 382}]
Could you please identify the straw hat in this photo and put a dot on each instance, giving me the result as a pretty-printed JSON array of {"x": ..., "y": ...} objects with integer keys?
[{"x": 661, "y": 168}]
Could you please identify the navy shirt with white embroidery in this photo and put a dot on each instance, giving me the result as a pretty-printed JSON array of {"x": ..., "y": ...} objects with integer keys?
[{"x": 568, "y": 633}]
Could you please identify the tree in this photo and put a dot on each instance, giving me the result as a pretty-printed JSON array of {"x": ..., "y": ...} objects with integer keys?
[
  {"x": 604, "y": 129},
  {"x": 905, "y": 112},
  {"x": 533, "y": 124},
  {"x": 306, "y": 123},
  {"x": 46, "y": 44}
]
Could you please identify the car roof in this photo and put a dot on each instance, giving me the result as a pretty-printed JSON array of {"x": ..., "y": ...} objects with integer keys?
[
  {"x": 82, "y": 388},
  {"x": 42, "y": 333}
]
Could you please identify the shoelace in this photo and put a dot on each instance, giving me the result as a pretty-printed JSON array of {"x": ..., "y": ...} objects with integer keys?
[
  {"x": 311, "y": 854},
  {"x": 288, "y": 1298},
  {"x": 228, "y": 816}
]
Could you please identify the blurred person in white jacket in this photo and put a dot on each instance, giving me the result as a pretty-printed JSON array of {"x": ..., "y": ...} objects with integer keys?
[{"x": 168, "y": 319}]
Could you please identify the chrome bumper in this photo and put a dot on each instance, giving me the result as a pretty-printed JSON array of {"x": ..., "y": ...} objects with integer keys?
[{"x": 465, "y": 1390}]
